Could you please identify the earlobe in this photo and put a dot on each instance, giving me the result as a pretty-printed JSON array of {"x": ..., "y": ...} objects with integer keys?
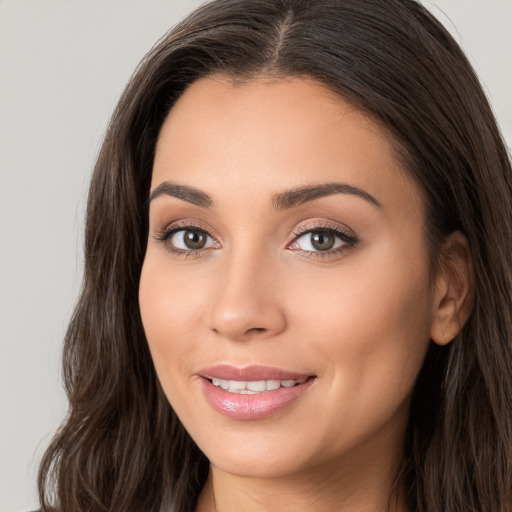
[{"x": 454, "y": 291}]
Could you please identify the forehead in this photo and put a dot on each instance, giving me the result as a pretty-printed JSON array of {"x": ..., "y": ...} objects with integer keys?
[{"x": 266, "y": 135}]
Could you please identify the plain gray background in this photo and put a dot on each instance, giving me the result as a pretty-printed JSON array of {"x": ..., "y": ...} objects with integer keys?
[{"x": 63, "y": 64}]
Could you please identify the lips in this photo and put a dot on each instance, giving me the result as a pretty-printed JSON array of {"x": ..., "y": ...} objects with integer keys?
[
  {"x": 252, "y": 392},
  {"x": 253, "y": 387}
]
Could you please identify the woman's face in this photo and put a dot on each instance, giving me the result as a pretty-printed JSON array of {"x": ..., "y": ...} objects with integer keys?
[{"x": 286, "y": 259}]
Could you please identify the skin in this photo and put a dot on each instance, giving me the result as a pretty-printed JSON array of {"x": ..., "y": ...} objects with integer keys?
[{"x": 359, "y": 318}]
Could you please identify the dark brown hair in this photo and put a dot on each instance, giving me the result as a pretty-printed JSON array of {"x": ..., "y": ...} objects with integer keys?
[{"x": 121, "y": 448}]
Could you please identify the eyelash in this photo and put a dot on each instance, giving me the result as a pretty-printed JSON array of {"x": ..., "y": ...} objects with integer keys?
[
  {"x": 164, "y": 236},
  {"x": 348, "y": 240}
]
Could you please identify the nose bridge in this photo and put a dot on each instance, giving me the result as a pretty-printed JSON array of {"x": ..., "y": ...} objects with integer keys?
[{"x": 246, "y": 300}]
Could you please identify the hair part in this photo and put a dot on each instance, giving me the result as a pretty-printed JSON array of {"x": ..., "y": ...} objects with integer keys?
[{"x": 121, "y": 446}]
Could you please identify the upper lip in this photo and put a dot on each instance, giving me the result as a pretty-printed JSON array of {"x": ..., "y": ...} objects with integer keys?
[{"x": 250, "y": 373}]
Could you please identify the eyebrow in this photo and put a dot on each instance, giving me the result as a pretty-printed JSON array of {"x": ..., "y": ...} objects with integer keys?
[
  {"x": 184, "y": 192},
  {"x": 302, "y": 195},
  {"x": 282, "y": 201}
]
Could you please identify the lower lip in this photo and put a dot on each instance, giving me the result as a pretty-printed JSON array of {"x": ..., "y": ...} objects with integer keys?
[{"x": 252, "y": 407}]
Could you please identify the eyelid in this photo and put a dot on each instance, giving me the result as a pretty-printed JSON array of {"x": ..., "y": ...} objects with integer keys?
[
  {"x": 341, "y": 231},
  {"x": 169, "y": 230},
  {"x": 183, "y": 224},
  {"x": 323, "y": 224}
]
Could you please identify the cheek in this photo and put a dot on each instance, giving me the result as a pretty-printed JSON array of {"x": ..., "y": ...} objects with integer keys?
[
  {"x": 169, "y": 309},
  {"x": 371, "y": 321},
  {"x": 369, "y": 340}
]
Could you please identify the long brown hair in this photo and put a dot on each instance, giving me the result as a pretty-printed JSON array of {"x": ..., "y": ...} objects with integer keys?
[{"x": 121, "y": 448}]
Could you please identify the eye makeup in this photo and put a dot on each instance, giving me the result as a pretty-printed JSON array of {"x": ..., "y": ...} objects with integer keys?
[
  {"x": 194, "y": 241},
  {"x": 326, "y": 239},
  {"x": 317, "y": 238}
]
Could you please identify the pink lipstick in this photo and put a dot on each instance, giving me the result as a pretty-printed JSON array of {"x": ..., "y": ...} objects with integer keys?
[{"x": 252, "y": 392}]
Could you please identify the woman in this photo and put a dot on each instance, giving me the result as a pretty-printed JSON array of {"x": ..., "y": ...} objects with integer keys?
[{"x": 297, "y": 286}]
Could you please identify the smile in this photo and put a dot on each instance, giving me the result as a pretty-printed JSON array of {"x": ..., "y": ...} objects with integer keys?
[
  {"x": 254, "y": 387},
  {"x": 253, "y": 392}
]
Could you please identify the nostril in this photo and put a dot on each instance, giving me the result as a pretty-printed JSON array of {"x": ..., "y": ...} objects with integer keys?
[{"x": 240, "y": 321}]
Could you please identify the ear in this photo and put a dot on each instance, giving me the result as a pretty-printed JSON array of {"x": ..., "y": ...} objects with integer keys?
[{"x": 454, "y": 289}]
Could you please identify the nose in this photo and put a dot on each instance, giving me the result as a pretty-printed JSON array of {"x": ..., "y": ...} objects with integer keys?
[{"x": 246, "y": 300}]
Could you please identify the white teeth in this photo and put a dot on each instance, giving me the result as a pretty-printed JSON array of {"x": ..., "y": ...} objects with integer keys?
[
  {"x": 273, "y": 384},
  {"x": 254, "y": 386},
  {"x": 224, "y": 384},
  {"x": 237, "y": 385}
]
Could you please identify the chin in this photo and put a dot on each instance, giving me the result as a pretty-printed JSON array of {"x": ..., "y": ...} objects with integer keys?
[
  {"x": 259, "y": 454},
  {"x": 263, "y": 465}
]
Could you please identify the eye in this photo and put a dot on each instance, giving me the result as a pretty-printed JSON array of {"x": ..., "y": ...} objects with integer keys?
[
  {"x": 186, "y": 240},
  {"x": 318, "y": 241},
  {"x": 190, "y": 239},
  {"x": 326, "y": 240}
]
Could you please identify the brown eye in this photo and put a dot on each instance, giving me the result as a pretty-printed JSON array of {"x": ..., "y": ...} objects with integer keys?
[
  {"x": 190, "y": 240},
  {"x": 322, "y": 240},
  {"x": 194, "y": 239}
]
